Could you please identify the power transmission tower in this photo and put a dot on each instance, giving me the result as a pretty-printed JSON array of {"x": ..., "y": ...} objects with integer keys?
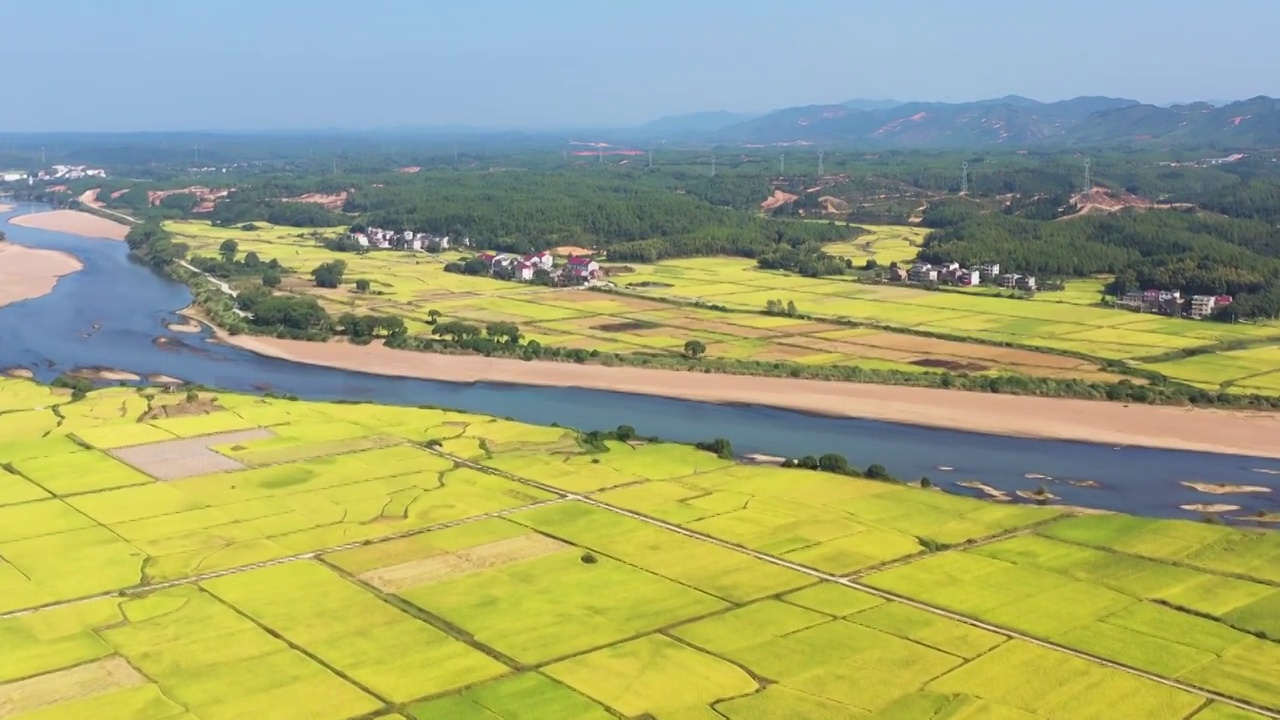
[
  {"x": 650, "y": 159},
  {"x": 713, "y": 166},
  {"x": 455, "y": 157},
  {"x": 821, "y": 172},
  {"x": 600, "y": 154},
  {"x": 782, "y": 164},
  {"x": 1088, "y": 181},
  {"x": 964, "y": 178}
]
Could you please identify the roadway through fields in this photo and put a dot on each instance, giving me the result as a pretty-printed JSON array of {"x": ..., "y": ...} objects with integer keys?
[
  {"x": 853, "y": 583},
  {"x": 564, "y": 496}
]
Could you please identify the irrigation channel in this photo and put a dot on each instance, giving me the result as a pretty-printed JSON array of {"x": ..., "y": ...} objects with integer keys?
[{"x": 114, "y": 313}]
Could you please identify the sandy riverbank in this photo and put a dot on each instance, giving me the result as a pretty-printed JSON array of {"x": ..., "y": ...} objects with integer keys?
[
  {"x": 73, "y": 222},
  {"x": 1177, "y": 428},
  {"x": 5, "y": 207},
  {"x": 27, "y": 273}
]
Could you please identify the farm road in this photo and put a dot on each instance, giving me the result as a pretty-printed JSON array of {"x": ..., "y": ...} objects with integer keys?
[
  {"x": 563, "y": 496},
  {"x": 853, "y": 583}
]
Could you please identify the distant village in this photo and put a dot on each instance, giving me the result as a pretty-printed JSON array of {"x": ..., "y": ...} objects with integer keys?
[
  {"x": 1172, "y": 302},
  {"x": 953, "y": 274},
  {"x": 57, "y": 172},
  {"x": 504, "y": 266},
  {"x": 378, "y": 239}
]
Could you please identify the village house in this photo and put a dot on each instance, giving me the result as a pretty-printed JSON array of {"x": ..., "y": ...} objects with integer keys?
[
  {"x": 969, "y": 278},
  {"x": 1026, "y": 282},
  {"x": 543, "y": 260},
  {"x": 897, "y": 274},
  {"x": 523, "y": 271},
  {"x": 1009, "y": 281},
  {"x": 1202, "y": 306},
  {"x": 922, "y": 272},
  {"x": 989, "y": 269},
  {"x": 582, "y": 269}
]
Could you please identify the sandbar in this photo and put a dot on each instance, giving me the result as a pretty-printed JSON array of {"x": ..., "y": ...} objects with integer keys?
[
  {"x": 73, "y": 222},
  {"x": 5, "y": 207},
  {"x": 27, "y": 273},
  {"x": 1167, "y": 427},
  {"x": 1224, "y": 489}
]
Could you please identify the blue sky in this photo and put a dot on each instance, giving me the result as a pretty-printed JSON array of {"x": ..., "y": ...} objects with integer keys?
[{"x": 281, "y": 64}]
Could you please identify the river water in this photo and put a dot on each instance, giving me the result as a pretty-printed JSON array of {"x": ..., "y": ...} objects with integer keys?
[{"x": 111, "y": 313}]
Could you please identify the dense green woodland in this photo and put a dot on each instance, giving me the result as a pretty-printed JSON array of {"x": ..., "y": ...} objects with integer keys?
[
  {"x": 637, "y": 218},
  {"x": 1195, "y": 252}
]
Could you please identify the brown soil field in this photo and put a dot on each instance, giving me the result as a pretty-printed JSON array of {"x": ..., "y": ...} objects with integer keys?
[
  {"x": 449, "y": 565},
  {"x": 1182, "y": 428},
  {"x": 777, "y": 200},
  {"x": 83, "y": 681},
  {"x": 177, "y": 459},
  {"x": 575, "y": 250}
]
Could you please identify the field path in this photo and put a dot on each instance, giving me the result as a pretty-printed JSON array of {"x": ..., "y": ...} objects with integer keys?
[
  {"x": 849, "y": 582},
  {"x": 564, "y": 496}
]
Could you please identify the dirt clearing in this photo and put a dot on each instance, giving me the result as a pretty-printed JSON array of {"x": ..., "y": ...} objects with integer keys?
[
  {"x": 177, "y": 459},
  {"x": 442, "y": 567},
  {"x": 41, "y": 691}
]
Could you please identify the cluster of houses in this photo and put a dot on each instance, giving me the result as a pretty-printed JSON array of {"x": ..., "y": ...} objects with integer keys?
[
  {"x": 1172, "y": 302},
  {"x": 378, "y": 238},
  {"x": 576, "y": 271},
  {"x": 952, "y": 273}
]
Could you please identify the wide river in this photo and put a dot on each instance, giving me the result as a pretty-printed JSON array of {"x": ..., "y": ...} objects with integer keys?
[{"x": 111, "y": 313}]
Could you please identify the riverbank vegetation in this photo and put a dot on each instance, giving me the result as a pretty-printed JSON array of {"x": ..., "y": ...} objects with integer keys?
[
  {"x": 833, "y": 329},
  {"x": 507, "y": 531}
]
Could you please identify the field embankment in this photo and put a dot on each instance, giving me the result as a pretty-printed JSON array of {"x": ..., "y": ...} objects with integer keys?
[
  {"x": 73, "y": 222},
  {"x": 1203, "y": 430},
  {"x": 27, "y": 273}
]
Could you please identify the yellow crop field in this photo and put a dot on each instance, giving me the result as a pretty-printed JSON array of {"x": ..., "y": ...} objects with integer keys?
[
  {"x": 329, "y": 562},
  {"x": 411, "y": 285}
]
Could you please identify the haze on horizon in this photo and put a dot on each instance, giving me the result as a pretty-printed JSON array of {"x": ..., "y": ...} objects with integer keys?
[{"x": 87, "y": 65}]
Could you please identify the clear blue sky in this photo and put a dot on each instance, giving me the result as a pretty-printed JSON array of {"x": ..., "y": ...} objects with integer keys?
[{"x": 259, "y": 64}]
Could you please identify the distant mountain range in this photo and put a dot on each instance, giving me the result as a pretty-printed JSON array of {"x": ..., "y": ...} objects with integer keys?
[{"x": 1010, "y": 121}]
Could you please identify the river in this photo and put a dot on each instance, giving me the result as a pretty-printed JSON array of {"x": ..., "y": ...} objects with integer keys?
[{"x": 111, "y": 313}]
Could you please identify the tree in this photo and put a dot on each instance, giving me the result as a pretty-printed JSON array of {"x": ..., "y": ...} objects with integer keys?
[
  {"x": 228, "y": 250},
  {"x": 833, "y": 463},
  {"x": 720, "y": 446},
  {"x": 503, "y": 332},
  {"x": 459, "y": 331},
  {"x": 362, "y": 285},
  {"x": 791, "y": 309},
  {"x": 475, "y": 266},
  {"x": 433, "y": 316},
  {"x": 251, "y": 260},
  {"x": 694, "y": 349},
  {"x": 877, "y": 472},
  {"x": 625, "y": 433},
  {"x": 271, "y": 278},
  {"x": 329, "y": 275}
]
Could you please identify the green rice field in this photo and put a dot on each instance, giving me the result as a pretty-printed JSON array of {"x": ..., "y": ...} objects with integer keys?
[{"x": 245, "y": 557}]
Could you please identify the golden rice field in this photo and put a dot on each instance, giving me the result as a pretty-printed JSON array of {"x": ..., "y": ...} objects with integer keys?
[
  {"x": 354, "y": 561},
  {"x": 410, "y": 285}
]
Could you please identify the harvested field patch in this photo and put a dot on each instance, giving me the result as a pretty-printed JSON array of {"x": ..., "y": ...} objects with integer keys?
[
  {"x": 177, "y": 459},
  {"x": 625, "y": 327},
  {"x": 951, "y": 365},
  {"x": 410, "y": 574},
  {"x": 82, "y": 681}
]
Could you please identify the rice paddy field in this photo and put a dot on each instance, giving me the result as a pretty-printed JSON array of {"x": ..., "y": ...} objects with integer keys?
[
  {"x": 238, "y": 556},
  {"x": 643, "y": 320}
]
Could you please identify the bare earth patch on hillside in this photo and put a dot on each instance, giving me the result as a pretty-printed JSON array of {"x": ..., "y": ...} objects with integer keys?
[{"x": 777, "y": 200}]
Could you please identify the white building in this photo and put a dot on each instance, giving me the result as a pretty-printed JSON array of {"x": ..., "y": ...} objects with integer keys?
[{"x": 1202, "y": 305}]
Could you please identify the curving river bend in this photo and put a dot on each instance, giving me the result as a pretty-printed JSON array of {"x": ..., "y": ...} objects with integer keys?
[{"x": 111, "y": 313}]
